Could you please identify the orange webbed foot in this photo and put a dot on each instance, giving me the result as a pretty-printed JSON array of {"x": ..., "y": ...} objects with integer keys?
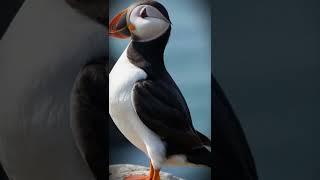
[
  {"x": 142, "y": 177},
  {"x": 138, "y": 177}
]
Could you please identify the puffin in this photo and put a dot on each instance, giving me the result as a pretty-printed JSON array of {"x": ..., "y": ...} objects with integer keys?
[
  {"x": 144, "y": 101},
  {"x": 53, "y": 115}
]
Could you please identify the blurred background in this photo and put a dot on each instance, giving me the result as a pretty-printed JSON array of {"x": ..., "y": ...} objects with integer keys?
[
  {"x": 267, "y": 59},
  {"x": 8, "y": 9},
  {"x": 188, "y": 60}
]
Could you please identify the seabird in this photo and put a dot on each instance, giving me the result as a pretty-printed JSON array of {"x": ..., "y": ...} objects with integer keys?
[
  {"x": 53, "y": 115},
  {"x": 144, "y": 101}
]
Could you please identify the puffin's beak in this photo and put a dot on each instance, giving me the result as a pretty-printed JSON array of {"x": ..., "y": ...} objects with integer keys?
[{"x": 118, "y": 26}]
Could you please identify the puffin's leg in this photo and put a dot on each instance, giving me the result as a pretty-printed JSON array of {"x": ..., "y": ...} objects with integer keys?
[
  {"x": 142, "y": 177},
  {"x": 151, "y": 171},
  {"x": 156, "y": 175}
]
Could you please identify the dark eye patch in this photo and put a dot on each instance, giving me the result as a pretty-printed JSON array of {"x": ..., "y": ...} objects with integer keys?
[{"x": 144, "y": 13}]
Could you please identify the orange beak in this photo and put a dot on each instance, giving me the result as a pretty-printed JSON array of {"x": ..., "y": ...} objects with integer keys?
[{"x": 118, "y": 26}]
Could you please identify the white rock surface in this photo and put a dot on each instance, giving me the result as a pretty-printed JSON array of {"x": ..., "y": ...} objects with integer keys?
[{"x": 119, "y": 171}]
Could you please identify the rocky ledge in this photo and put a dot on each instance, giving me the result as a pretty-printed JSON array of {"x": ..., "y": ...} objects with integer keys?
[{"x": 119, "y": 171}]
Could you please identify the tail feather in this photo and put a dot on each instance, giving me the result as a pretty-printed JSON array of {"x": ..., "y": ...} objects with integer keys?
[
  {"x": 205, "y": 140},
  {"x": 200, "y": 156}
]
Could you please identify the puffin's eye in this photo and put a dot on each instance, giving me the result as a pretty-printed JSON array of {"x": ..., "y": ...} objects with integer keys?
[{"x": 143, "y": 13}]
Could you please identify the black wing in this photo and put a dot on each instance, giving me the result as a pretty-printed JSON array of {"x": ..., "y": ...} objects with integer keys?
[
  {"x": 233, "y": 157},
  {"x": 162, "y": 108},
  {"x": 89, "y": 116}
]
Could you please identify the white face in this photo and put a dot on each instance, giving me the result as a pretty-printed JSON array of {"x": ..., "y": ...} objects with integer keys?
[{"x": 149, "y": 23}]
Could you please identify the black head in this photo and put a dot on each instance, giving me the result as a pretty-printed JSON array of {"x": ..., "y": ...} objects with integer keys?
[{"x": 144, "y": 21}]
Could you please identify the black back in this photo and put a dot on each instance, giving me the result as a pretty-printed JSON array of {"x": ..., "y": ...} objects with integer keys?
[{"x": 163, "y": 109}]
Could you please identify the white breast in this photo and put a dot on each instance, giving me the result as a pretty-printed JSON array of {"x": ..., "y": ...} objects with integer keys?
[{"x": 121, "y": 81}]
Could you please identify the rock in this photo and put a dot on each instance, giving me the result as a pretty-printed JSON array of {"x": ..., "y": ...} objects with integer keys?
[{"x": 119, "y": 171}]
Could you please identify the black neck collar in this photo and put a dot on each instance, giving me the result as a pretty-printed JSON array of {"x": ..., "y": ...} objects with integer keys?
[{"x": 149, "y": 55}]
